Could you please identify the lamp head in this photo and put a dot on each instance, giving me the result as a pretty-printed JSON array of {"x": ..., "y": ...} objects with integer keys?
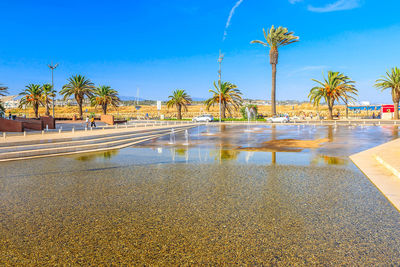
[{"x": 53, "y": 67}]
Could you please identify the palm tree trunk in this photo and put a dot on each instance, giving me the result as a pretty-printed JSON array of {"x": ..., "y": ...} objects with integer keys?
[
  {"x": 223, "y": 108},
  {"x": 36, "y": 109},
  {"x": 179, "y": 110},
  {"x": 396, "y": 110},
  {"x": 80, "y": 110},
  {"x": 47, "y": 109},
  {"x": 273, "y": 60},
  {"x": 105, "y": 109},
  {"x": 330, "y": 108},
  {"x": 273, "y": 90}
]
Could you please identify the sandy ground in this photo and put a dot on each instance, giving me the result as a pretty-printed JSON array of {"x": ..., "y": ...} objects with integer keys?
[{"x": 194, "y": 110}]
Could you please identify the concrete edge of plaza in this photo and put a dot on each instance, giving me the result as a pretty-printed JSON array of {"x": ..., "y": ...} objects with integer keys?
[
  {"x": 98, "y": 142},
  {"x": 381, "y": 165}
]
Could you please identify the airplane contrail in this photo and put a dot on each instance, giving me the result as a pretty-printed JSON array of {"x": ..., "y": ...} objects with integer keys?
[{"x": 228, "y": 22}]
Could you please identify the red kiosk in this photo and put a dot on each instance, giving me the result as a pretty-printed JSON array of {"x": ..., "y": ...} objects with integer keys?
[{"x": 387, "y": 112}]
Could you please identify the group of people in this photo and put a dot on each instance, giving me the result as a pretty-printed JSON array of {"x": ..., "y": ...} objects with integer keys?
[
  {"x": 376, "y": 116},
  {"x": 92, "y": 122}
]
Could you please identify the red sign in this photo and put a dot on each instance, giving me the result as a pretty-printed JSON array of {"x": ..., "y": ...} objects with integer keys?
[{"x": 387, "y": 108}]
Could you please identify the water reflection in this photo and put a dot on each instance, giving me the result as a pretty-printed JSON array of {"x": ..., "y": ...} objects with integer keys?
[
  {"x": 330, "y": 160},
  {"x": 273, "y": 137},
  {"x": 181, "y": 151},
  {"x": 270, "y": 144},
  {"x": 224, "y": 154},
  {"x": 98, "y": 155},
  {"x": 273, "y": 158},
  {"x": 395, "y": 132},
  {"x": 330, "y": 133}
]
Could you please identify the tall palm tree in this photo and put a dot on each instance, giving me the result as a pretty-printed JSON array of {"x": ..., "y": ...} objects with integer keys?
[
  {"x": 48, "y": 94},
  {"x": 105, "y": 96},
  {"x": 79, "y": 87},
  {"x": 180, "y": 99},
  {"x": 391, "y": 81},
  {"x": 3, "y": 92},
  {"x": 32, "y": 96},
  {"x": 231, "y": 97},
  {"x": 275, "y": 38},
  {"x": 335, "y": 87}
]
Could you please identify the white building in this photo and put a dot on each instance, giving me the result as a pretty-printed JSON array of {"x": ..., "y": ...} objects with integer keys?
[{"x": 10, "y": 102}]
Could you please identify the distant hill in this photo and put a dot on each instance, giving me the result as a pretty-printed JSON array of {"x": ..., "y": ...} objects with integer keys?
[
  {"x": 131, "y": 98},
  {"x": 198, "y": 99}
]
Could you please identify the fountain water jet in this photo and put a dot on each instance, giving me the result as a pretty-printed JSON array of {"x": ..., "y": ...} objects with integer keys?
[
  {"x": 250, "y": 113},
  {"x": 186, "y": 138},
  {"x": 172, "y": 137}
]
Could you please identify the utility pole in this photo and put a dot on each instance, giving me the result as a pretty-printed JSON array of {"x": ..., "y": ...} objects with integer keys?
[
  {"x": 52, "y": 67},
  {"x": 221, "y": 57}
]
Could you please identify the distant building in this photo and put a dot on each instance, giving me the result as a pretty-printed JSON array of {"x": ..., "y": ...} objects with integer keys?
[
  {"x": 255, "y": 102},
  {"x": 10, "y": 102},
  {"x": 68, "y": 102}
]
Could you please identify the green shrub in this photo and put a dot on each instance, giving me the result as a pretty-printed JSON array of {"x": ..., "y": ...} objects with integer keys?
[{"x": 249, "y": 106}]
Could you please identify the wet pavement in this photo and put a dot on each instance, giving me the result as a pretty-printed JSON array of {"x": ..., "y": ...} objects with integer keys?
[{"x": 203, "y": 200}]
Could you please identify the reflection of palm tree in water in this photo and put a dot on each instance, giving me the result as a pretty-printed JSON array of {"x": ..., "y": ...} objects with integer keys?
[
  {"x": 330, "y": 133},
  {"x": 273, "y": 137},
  {"x": 92, "y": 156},
  {"x": 395, "y": 132},
  {"x": 228, "y": 154},
  {"x": 224, "y": 150}
]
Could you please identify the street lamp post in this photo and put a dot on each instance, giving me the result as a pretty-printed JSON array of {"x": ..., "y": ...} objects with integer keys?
[
  {"x": 221, "y": 57},
  {"x": 52, "y": 67}
]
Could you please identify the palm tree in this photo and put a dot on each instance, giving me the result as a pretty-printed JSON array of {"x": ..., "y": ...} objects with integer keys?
[
  {"x": 180, "y": 99},
  {"x": 32, "y": 96},
  {"x": 3, "y": 92},
  {"x": 105, "y": 96},
  {"x": 79, "y": 87},
  {"x": 48, "y": 94},
  {"x": 391, "y": 81},
  {"x": 335, "y": 87},
  {"x": 230, "y": 97},
  {"x": 275, "y": 38}
]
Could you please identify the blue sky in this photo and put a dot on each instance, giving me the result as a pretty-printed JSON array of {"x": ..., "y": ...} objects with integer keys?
[{"x": 159, "y": 46}]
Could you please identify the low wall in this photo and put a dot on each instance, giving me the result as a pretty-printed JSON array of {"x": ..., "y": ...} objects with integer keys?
[
  {"x": 31, "y": 124},
  {"x": 11, "y": 125},
  {"x": 109, "y": 119},
  {"x": 48, "y": 120}
]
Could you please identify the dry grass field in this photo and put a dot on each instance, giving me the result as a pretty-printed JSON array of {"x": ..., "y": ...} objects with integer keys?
[{"x": 194, "y": 110}]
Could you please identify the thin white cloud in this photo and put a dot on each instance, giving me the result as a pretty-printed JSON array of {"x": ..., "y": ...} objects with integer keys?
[
  {"x": 228, "y": 22},
  {"x": 295, "y": 1},
  {"x": 336, "y": 6},
  {"x": 307, "y": 69}
]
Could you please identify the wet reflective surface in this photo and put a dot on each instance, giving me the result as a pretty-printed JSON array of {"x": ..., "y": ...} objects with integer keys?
[{"x": 231, "y": 196}]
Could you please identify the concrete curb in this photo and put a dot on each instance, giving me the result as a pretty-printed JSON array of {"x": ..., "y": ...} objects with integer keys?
[{"x": 382, "y": 174}]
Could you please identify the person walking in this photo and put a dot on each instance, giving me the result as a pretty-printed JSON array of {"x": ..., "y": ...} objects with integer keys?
[
  {"x": 87, "y": 122},
  {"x": 92, "y": 123}
]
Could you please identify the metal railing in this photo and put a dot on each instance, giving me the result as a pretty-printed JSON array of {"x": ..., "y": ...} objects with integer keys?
[{"x": 75, "y": 131}]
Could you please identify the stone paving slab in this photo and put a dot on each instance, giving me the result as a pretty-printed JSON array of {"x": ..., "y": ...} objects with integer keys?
[{"x": 381, "y": 165}]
